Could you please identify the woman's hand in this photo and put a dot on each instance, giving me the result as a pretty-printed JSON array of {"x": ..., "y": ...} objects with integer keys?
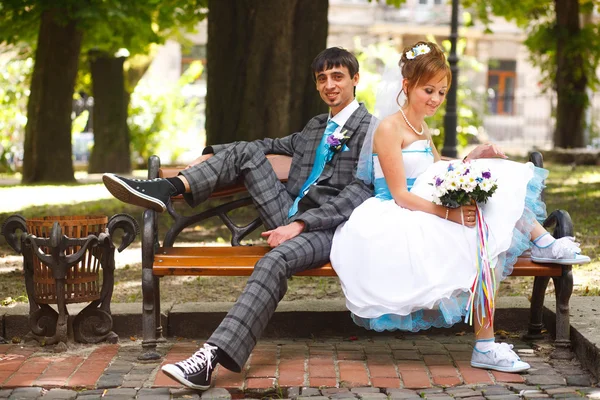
[
  {"x": 486, "y": 151},
  {"x": 463, "y": 215}
]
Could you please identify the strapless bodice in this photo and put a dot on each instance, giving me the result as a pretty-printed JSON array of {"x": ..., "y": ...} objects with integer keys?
[{"x": 417, "y": 157}]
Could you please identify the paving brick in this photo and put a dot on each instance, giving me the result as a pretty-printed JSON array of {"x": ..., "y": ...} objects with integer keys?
[
  {"x": 406, "y": 355},
  {"x": 321, "y": 371},
  {"x": 437, "y": 359},
  {"x": 366, "y": 389},
  {"x": 578, "y": 380},
  {"x": 109, "y": 381},
  {"x": 543, "y": 379},
  {"x": 261, "y": 371},
  {"x": 290, "y": 378},
  {"x": 313, "y": 398},
  {"x": 216, "y": 394},
  {"x": 399, "y": 392},
  {"x": 372, "y": 396},
  {"x": 560, "y": 390},
  {"x": 410, "y": 365},
  {"x": 382, "y": 371},
  {"x": 351, "y": 355},
  {"x": 4, "y": 393},
  {"x": 332, "y": 391},
  {"x": 474, "y": 375},
  {"x": 309, "y": 391},
  {"x": 227, "y": 379},
  {"x": 323, "y": 382},
  {"x": 382, "y": 382},
  {"x": 60, "y": 394},
  {"x": 353, "y": 373},
  {"x": 415, "y": 379},
  {"x": 188, "y": 394},
  {"x": 26, "y": 393}
]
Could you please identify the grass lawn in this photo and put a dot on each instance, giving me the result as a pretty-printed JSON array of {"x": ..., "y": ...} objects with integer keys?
[{"x": 575, "y": 189}]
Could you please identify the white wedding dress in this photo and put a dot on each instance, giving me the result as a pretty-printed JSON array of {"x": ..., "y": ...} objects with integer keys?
[{"x": 410, "y": 270}]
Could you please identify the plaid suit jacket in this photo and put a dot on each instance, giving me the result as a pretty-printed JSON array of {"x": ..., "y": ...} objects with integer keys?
[{"x": 337, "y": 192}]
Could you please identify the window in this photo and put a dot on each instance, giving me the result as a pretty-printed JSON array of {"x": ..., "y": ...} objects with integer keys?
[
  {"x": 430, "y": 2},
  {"x": 502, "y": 76}
]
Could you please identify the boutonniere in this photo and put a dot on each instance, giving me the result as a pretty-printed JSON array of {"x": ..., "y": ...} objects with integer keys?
[{"x": 336, "y": 141}]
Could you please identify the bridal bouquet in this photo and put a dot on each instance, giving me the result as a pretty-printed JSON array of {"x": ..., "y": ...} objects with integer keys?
[{"x": 463, "y": 183}]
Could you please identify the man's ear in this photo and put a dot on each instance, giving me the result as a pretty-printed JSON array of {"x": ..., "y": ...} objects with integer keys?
[{"x": 355, "y": 79}]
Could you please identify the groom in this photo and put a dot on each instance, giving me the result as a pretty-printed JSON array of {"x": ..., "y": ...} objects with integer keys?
[{"x": 300, "y": 216}]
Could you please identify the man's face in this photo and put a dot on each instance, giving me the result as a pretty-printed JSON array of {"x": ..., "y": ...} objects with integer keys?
[{"x": 336, "y": 87}]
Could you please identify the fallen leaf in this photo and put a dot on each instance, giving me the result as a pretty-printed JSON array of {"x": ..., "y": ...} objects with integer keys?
[{"x": 463, "y": 333}]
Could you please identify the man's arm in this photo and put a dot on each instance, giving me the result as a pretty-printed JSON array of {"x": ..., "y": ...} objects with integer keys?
[{"x": 337, "y": 210}]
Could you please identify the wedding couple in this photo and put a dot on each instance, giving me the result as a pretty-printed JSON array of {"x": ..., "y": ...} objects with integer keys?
[{"x": 358, "y": 193}]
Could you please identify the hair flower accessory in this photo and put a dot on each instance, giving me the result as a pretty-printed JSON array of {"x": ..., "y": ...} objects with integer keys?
[
  {"x": 336, "y": 140},
  {"x": 417, "y": 51}
]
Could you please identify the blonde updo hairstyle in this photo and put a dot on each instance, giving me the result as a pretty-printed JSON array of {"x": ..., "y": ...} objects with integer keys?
[{"x": 423, "y": 67}]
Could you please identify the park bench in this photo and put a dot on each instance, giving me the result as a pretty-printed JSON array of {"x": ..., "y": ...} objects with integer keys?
[{"x": 159, "y": 260}]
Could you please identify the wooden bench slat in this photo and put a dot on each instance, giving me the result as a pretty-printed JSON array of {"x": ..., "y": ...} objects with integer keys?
[{"x": 240, "y": 260}]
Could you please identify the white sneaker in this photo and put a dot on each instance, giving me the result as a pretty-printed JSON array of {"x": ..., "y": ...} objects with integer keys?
[
  {"x": 564, "y": 251},
  {"x": 500, "y": 358}
]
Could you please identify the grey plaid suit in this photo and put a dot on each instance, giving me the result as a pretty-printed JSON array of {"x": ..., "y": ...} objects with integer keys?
[{"x": 328, "y": 203}]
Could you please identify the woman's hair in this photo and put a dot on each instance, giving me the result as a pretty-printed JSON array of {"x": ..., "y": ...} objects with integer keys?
[{"x": 423, "y": 67}]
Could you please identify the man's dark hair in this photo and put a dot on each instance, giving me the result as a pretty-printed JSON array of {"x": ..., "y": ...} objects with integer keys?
[{"x": 335, "y": 57}]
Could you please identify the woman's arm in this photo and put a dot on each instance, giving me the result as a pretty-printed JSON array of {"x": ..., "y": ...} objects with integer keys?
[{"x": 387, "y": 143}]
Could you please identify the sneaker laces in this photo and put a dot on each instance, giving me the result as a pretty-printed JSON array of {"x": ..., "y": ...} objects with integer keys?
[
  {"x": 199, "y": 359},
  {"x": 565, "y": 247},
  {"x": 504, "y": 351}
]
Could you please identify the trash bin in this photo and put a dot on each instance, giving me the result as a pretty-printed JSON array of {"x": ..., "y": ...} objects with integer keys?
[{"x": 62, "y": 260}]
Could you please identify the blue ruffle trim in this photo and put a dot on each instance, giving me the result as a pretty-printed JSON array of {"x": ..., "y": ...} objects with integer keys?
[
  {"x": 535, "y": 210},
  {"x": 449, "y": 311}
]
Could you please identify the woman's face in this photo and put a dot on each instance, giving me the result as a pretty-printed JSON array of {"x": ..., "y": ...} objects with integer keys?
[{"x": 428, "y": 96}]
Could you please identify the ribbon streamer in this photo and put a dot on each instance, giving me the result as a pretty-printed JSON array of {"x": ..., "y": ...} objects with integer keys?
[{"x": 483, "y": 290}]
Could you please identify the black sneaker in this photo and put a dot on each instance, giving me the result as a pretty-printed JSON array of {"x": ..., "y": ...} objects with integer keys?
[
  {"x": 196, "y": 371},
  {"x": 153, "y": 193}
]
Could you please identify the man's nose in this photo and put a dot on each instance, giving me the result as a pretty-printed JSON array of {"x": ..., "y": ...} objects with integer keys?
[{"x": 330, "y": 83}]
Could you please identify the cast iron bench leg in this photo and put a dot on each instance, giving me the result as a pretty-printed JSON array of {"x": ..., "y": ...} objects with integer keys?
[
  {"x": 540, "y": 284},
  {"x": 564, "y": 289}
]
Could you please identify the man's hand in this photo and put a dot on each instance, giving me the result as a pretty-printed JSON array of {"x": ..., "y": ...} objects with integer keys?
[
  {"x": 279, "y": 235},
  {"x": 486, "y": 151},
  {"x": 199, "y": 160}
]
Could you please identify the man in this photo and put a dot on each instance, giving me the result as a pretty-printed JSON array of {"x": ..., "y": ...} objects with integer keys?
[{"x": 300, "y": 216}]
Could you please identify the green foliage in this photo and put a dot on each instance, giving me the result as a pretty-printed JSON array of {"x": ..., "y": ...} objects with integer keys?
[
  {"x": 539, "y": 20},
  {"x": 469, "y": 103},
  {"x": 156, "y": 117},
  {"x": 14, "y": 92}
]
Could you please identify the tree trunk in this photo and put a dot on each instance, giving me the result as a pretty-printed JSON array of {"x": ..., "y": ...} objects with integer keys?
[
  {"x": 258, "y": 64},
  {"x": 571, "y": 80},
  {"x": 111, "y": 133},
  {"x": 47, "y": 149}
]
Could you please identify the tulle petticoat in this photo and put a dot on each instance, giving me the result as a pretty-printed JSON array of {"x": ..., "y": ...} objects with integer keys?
[{"x": 410, "y": 270}]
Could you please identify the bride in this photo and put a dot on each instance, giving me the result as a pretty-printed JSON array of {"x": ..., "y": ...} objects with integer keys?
[{"x": 407, "y": 263}]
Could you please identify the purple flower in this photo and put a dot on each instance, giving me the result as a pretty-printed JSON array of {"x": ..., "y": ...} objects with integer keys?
[
  {"x": 487, "y": 174},
  {"x": 438, "y": 181},
  {"x": 467, "y": 172},
  {"x": 333, "y": 141}
]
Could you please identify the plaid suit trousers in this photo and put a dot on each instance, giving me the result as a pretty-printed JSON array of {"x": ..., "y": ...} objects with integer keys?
[{"x": 237, "y": 334}]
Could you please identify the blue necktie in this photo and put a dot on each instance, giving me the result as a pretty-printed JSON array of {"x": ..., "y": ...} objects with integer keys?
[{"x": 322, "y": 157}]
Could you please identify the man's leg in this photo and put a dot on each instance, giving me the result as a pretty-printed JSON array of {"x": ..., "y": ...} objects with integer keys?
[
  {"x": 236, "y": 336},
  {"x": 240, "y": 161},
  {"x": 246, "y": 161},
  {"x": 232, "y": 342}
]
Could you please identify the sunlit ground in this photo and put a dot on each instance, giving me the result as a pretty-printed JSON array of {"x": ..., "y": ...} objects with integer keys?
[{"x": 15, "y": 197}]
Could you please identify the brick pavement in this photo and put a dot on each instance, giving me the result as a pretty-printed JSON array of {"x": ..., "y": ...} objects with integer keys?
[{"x": 404, "y": 367}]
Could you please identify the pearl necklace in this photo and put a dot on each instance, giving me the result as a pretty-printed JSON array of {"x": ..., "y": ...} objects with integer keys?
[{"x": 410, "y": 125}]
